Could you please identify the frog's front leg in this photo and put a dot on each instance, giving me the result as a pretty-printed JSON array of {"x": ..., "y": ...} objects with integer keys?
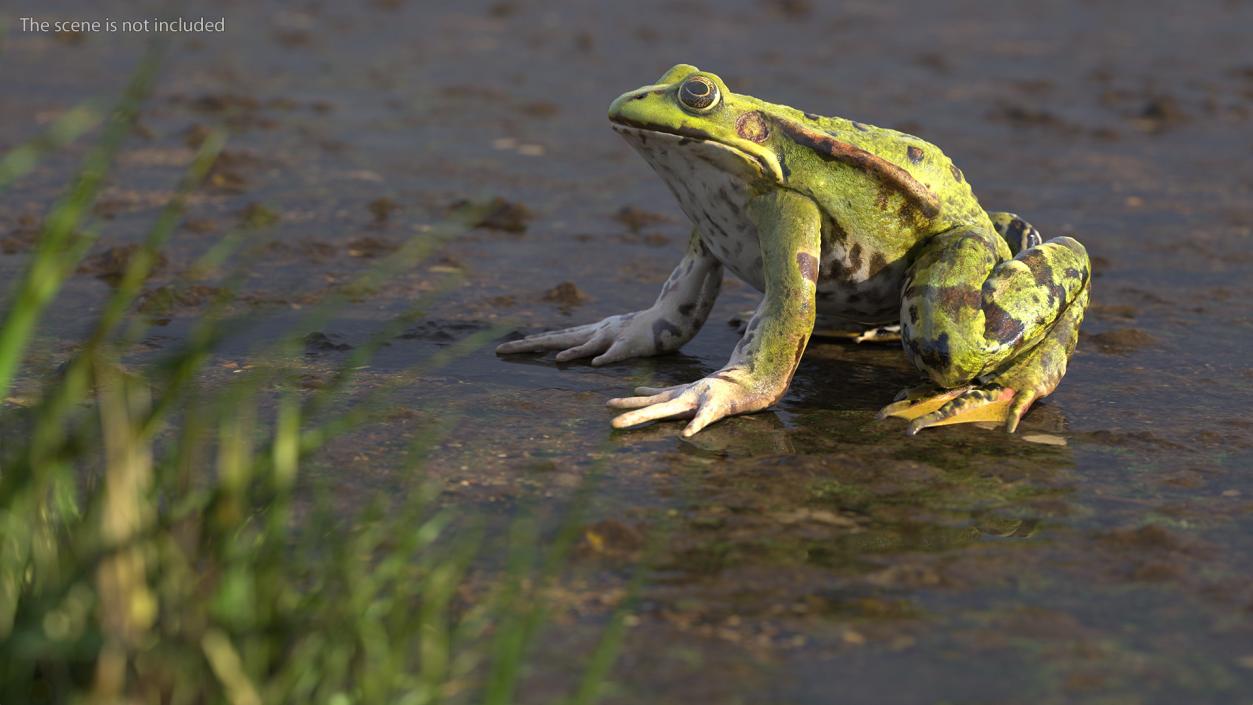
[
  {"x": 761, "y": 368},
  {"x": 676, "y": 316},
  {"x": 993, "y": 334}
]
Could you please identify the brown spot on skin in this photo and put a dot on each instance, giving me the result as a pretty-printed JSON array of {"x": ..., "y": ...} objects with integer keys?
[
  {"x": 830, "y": 148},
  {"x": 934, "y": 357},
  {"x": 1043, "y": 274},
  {"x": 686, "y": 310},
  {"x": 881, "y": 198},
  {"x": 854, "y": 258},
  {"x": 908, "y": 214},
  {"x": 808, "y": 265},
  {"x": 752, "y": 127},
  {"x": 662, "y": 326},
  {"x": 953, "y": 298},
  {"x": 914, "y": 154},
  {"x": 836, "y": 231},
  {"x": 800, "y": 350},
  {"x": 1000, "y": 326},
  {"x": 877, "y": 263},
  {"x": 1033, "y": 260}
]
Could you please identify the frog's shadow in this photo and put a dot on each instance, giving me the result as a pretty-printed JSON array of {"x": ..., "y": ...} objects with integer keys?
[
  {"x": 820, "y": 383},
  {"x": 846, "y": 385}
]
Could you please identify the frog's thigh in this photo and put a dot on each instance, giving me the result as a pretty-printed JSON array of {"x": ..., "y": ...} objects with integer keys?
[{"x": 964, "y": 311}]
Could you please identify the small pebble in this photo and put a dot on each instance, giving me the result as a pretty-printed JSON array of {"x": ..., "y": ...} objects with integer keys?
[{"x": 1047, "y": 439}]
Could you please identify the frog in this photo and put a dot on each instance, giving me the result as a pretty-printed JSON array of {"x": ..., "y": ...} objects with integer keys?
[{"x": 836, "y": 222}]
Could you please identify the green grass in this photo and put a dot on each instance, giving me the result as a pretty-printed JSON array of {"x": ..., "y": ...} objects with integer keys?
[{"x": 157, "y": 543}]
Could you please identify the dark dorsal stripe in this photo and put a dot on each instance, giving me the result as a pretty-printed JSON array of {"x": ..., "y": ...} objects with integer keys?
[{"x": 830, "y": 148}]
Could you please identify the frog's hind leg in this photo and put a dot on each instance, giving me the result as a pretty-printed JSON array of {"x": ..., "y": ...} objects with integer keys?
[
  {"x": 1004, "y": 396},
  {"x": 1018, "y": 233},
  {"x": 993, "y": 334}
]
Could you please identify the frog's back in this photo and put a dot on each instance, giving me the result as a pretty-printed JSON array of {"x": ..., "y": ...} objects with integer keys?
[{"x": 838, "y": 154}]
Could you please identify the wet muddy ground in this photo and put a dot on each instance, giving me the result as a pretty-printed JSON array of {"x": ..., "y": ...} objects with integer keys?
[{"x": 809, "y": 554}]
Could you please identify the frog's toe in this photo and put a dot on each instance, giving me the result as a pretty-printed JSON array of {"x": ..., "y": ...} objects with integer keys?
[
  {"x": 985, "y": 404},
  {"x": 647, "y": 397},
  {"x": 649, "y": 391},
  {"x": 617, "y": 352},
  {"x": 703, "y": 401},
  {"x": 916, "y": 401},
  {"x": 552, "y": 340}
]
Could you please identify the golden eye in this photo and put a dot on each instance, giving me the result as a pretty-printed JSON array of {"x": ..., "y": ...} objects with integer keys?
[{"x": 698, "y": 94}]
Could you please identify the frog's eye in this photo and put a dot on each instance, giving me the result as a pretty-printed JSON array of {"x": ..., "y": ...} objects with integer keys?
[{"x": 698, "y": 94}]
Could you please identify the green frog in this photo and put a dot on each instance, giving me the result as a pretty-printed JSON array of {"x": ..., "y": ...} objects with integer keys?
[{"x": 834, "y": 220}]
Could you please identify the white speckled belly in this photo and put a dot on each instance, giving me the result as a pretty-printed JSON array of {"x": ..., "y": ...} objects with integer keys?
[{"x": 710, "y": 183}]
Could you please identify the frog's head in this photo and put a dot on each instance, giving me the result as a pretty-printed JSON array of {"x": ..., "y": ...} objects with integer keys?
[{"x": 691, "y": 111}]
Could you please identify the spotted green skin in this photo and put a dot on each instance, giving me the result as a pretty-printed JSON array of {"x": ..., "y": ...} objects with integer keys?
[{"x": 832, "y": 217}]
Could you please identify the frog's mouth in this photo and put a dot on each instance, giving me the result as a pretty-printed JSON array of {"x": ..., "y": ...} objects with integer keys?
[{"x": 711, "y": 149}]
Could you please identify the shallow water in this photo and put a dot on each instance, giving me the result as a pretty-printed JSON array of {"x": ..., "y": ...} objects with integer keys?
[{"x": 809, "y": 553}]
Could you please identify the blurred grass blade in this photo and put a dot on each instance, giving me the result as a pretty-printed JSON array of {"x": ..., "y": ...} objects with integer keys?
[
  {"x": 54, "y": 256},
  {"x": 64, "y": 130},
  {"x": 229, "y": 669},
  {"x": 127, "y": 604}
]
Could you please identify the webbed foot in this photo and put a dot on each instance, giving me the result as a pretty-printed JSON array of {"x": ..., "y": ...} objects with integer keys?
[{"x": 989, "y": 403}]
